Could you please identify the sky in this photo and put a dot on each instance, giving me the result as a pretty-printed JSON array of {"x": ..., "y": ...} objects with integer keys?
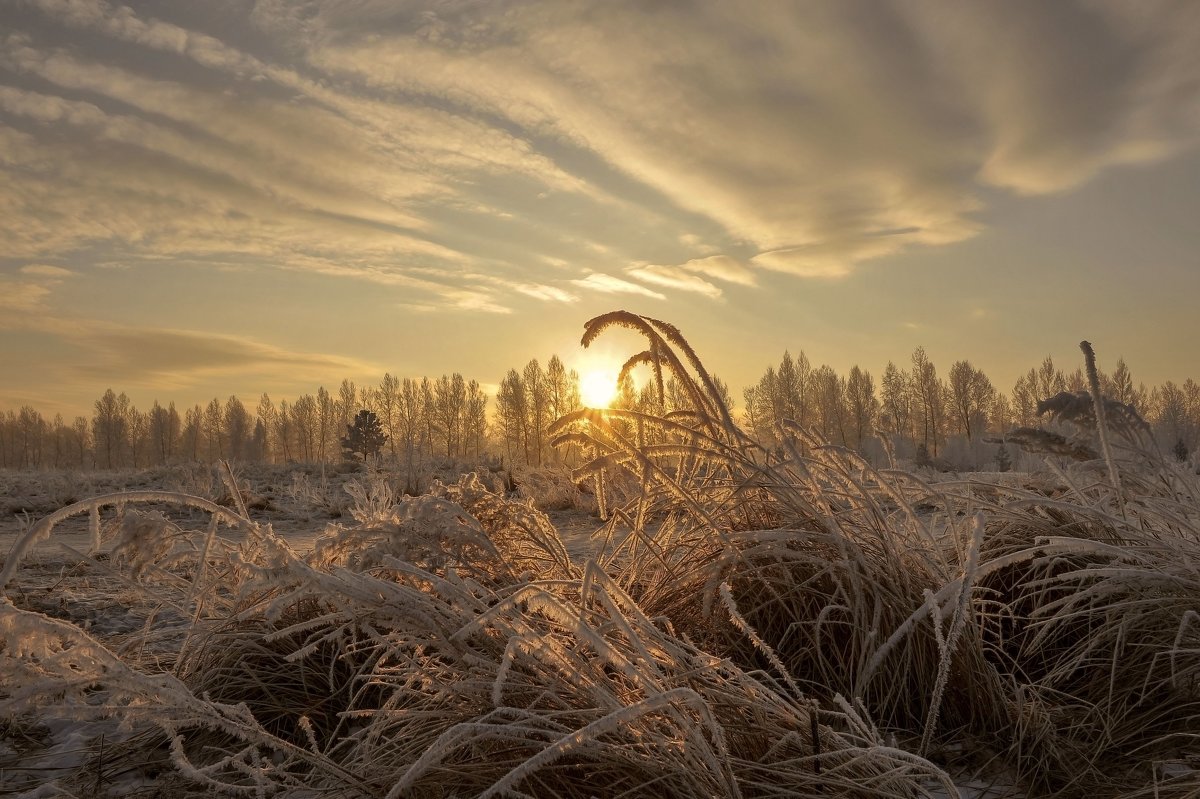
[{"x": 206, "y": 198}]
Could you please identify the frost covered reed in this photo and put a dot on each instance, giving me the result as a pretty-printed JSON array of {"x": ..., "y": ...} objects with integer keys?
[{"x": 756, "y": 622}]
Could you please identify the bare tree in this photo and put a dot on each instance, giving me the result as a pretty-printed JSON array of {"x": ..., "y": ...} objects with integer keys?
[
  {"x": 214, "y": 432},
  {"x": 862, "y": 406},
  {"x": 238, "y": 428},
  {"x": 108, "y": 428},
  {"x": 930, "y": 397},
  {"x": 971, "y": 398}
]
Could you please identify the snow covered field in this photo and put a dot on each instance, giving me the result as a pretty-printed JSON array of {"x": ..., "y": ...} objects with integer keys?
[
  {"x": 748, "y": 622},
  {"x": 298, "y": 501}
]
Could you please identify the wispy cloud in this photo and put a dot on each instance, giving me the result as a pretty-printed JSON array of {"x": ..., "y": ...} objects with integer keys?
[
  {"x": 607, "y": 284},
  {"x": 721, "y": 267},
  {"x": 400, "y": 136},
  {"x": 154, "y": 358},
  {"x": 46, "y": 270},
  {"x": 481, "y": 158},
  {"x": 543, "y": 292},
  {"x": 17, "y": 295},
  {"x": 674, "y": 278},
  {"x": 740, "y": 118},
  {"x": 29, "y": 291}
]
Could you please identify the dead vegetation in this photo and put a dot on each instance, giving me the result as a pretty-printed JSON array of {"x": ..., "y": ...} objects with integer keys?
[{"x": 756, "y": 622}]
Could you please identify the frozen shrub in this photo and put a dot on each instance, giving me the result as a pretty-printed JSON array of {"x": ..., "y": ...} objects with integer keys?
[
  {"x": 551, "y": 489},
  {"x": 777, "y": 622}
]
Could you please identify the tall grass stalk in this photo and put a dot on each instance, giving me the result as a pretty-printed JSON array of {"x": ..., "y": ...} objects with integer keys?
[{"x": 759, "y": 622}]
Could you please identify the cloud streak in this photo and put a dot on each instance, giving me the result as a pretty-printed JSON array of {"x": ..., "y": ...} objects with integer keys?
[
  {"x": 475, "y": 160},
  {"x": 675, "y": 278},
  {"x": 807, "y": 130},
  {"x": 156, "y": 358},
  {"x": 816, "y": 136},
  {"x": 608, "y": 284}
]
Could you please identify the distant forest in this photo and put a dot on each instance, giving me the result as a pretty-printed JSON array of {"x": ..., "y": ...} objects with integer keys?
[{"x": 915, "y": 409}]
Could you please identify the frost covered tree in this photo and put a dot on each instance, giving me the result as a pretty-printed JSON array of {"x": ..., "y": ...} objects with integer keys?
[
  {"x": 82, "y": 437},
  {"x": 538, "y": 403},
  {"x": 258, "y": 449},
  {"x": 137, "y": 437},
  {"x": 930, "y": 396},
  {"x": 971, "y": 398},
  {"x": 164, "y": 432},
  {"x": 1002, "y": 418},
  {"x": 193, "y": 432},
  {"x": 326, "y": 425},
  {"x": 563, "y": 386},
  {"x": 214, "y": 430},
  {"x": 346, "y": 402},
  {"x": 108, "y": 428},
  {"x": 239, "y": 426},
  {"x": 304, "y": 418},
  {"x": 1174, "y": 414},
  {"x": 268, "y": 417},
  {"x": 527, "y": 403},
  {"x": 386, "y": 402},
  {"x": 829, "y": 390},
  {"x": 283, "y": 432},
  {"x": 475, "y": 421},
  {"x": 1119, "y": 385},
  {"x": 896, "y": 403},
  {"x": 1003, "y": 457},
  {"x": 513, "y": 419},
  {"x": 862, "y": 406},
  {"x": 449, "y": 409}
]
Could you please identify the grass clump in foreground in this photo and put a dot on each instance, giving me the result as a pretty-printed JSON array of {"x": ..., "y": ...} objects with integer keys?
[{"x": 757, "y": 623}]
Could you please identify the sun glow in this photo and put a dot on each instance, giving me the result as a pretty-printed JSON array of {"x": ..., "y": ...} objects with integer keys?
[{"x": 598, "y": 387}]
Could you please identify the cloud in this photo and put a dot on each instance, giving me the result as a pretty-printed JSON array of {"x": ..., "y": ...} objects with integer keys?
[
  {"x": 550, "y": 293},
  {"x": 721, "y": 267},
  {"x": 46, "y": 270},
  {"x": 467, "y": 300},
  {"x": 399, "y": 143},
  {"x": 807, "y": 129},
  {"x": 674, "y": 278},
  {"x": 180, "y": 354},
  {"x": 607, "y": 284},
  {"x": 18, "y": 295},
  {"x": 165, "y": 358},
  {"x": 239, "y": 161},
  {"x": 805, "y": 261},
  {"x": 27, "y": 293}
]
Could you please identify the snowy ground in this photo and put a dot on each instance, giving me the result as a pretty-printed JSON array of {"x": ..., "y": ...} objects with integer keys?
[
  {"x": 44, "y": 757},
  {"x": 300, "y": 503}
]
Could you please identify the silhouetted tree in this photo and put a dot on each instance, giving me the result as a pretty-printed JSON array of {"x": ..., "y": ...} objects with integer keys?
[{"x": 365, "y": 435}]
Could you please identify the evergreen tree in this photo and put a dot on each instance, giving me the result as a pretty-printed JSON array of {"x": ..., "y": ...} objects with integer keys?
[
  {"x": 364, "y": 436},
  {"x": 1003, "y": 459}
]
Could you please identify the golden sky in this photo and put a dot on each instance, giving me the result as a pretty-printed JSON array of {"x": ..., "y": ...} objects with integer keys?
[{"x": 206, "y": 198}]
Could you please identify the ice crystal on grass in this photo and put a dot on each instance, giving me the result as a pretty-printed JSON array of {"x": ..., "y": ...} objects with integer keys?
[{"x": 755, "y": 622}]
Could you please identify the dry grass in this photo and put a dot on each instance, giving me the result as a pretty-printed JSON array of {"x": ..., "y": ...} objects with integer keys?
[{"x": 758, "y": 623}]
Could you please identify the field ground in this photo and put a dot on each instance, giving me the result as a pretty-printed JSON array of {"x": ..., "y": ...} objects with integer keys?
[
  {"x": 297, "y": 501},
  {"x": 895, "y": 535},
  {"x": 300, "y": 504}
]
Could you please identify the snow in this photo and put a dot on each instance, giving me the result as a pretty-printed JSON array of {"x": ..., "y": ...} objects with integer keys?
[{"x": 60, "y": 580}]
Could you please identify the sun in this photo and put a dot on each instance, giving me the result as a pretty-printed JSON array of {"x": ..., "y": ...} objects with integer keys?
[{"x": 598, "y": 387}]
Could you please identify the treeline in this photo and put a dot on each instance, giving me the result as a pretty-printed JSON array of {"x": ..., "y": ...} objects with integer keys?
[
  {"x": 917, "y": 410},
  {"x": 527, "y": 403},
  {"x": 426, "y": 420}
]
